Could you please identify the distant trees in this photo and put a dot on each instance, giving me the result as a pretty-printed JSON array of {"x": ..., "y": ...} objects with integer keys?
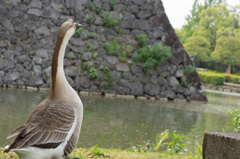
[{"x": 212, "y": 34}]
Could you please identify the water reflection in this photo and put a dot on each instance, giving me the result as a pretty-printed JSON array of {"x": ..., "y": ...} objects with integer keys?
[{"x": 121, "y": 123}]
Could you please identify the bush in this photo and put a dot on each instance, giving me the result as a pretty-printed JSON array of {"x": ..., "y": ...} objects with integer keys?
[
  {"x": 212, "y": 78},
  {"x": 113, "y": 47},
  {"x": 152, "y": 56},
  {"x": 93, "y": 73}
]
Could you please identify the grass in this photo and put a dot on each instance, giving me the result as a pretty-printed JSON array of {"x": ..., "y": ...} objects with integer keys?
[{"x": 111, "y": 153}]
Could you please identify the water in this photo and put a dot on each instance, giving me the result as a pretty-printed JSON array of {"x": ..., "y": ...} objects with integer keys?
[{"x": 122, "y": 123}]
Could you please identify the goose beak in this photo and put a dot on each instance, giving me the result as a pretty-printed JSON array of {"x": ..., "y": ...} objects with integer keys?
[{"x": 77, "y": 25}]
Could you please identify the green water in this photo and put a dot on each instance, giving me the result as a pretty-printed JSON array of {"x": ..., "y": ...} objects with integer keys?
[{"x": 122, "y": 123}]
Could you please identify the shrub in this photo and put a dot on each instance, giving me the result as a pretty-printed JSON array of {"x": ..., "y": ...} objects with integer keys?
[
  {"x": 212, "y": 78},
  {"x": 152, "y": 56},
  {"x": 93, "y": 73},
  {"x": 90, "y": 19},
  {"x": 142, "y": 40}
]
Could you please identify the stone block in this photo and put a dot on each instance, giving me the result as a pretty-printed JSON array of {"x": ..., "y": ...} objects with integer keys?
[
  {"x": 136, "y": 89},
  {"x": 221, "y": 145},
  {"x": 151, "y": 89},
  {"x": 122, "y": 67}
]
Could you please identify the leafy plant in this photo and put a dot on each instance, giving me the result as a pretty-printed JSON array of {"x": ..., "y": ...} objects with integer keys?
[
  {"x": 91, "y": 34},
  {"x": 142, "y": 40},
  {"x": 78, "y": 32},
  {"x": 122, "y": 57},
  {"x": 81, "y": 52},
  {"x": 109, "y": 20},
  {"x": 128, "y": 48},
  {"x": 160, "y": 138},
  {"x": 198, "y": 149},
  {"x": 112, "y": 4},
  {"x": 177, "y": 145},
  {"x": 94, "y": 55},
  {"x": 43, "y": 66},
  {"x": 86, "y": 65},
  {"x": 189, "y": 69},
  {"x": 90, "y": 19},
  {"x": 30, "y": 53},
  {"x": 70, "y": 56},
  {"x": 152, "y": 56},
  {"x": 98, "y": 10},
  {"x": 90, "y": 6},
  {"x": 147, "y": 147},
  {"x": 93, "y": 73},
  {"x": 235, "y": 116},
  {"x": 113, "y": 47},
  {"x": 103, "y": 68},
  {"x": 96, "y": 151},
  {"x": 90, "y": 47}
]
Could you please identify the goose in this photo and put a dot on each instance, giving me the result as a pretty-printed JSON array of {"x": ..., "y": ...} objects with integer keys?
[{"x": 53, "y": 128}]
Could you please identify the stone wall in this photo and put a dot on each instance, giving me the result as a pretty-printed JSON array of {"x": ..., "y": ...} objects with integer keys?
[{"x": 28, "y": 30}]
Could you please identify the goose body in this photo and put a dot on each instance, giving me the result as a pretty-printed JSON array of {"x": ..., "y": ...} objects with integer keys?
[{"x": 53, "y": 128}]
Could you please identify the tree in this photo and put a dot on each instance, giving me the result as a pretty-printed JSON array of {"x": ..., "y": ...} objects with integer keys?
[
  {"x": 199, "y": 47},
  {"x": 227, "y": 50}
]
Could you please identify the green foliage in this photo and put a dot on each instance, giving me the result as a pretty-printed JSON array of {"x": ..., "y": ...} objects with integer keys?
[
  {"x": 112, "y": 4},
  {"x": 110, "y": 21},
  {"x": 152, "y": 56},
  {"x": 90, "y": 6},
  {"x": 105, "y": 69},
  {"x": 86, "y": 66},
  {"x": 212, "y": 78},
  {"x": 43, "y": 66},
  {"x": 142, "y": 40},
  {"x": 81, "y": 52},
  {"x": 30, "y": 53},
  {"x": 147, "y": 147},
  {"x": 235, "y": 116},
  {"x": 70, "y": 56},
  {"x": 160, "y": 138},
  {"x": 93, "y": 73},
  {"x": 128, "y": 48},
  {"x": 91, "y": 34},
  {"x": 198, "y": 149},
  {"x": 177, "y": 145},
  {"x": 78, "y": 32},
  {"x": 189, "y": 69},
  {"x": 94, "y": 55},
  {"x": 90, "y": 47},
  {"x": 96, "y": 152},
  {"x": 90, "y": 19},
  {"x": 98, "y": 10},
  {"x": 122, "y": 57},
  {"x": 113, "y": 47}
]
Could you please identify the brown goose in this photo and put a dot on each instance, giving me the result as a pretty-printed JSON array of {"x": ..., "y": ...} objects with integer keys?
[{"x": 52, "y": 130}]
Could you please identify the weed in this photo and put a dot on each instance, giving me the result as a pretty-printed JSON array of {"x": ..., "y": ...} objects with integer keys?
[
  {"x": 160, "y": 138},
  {"x": 183, "y": 81},
  {"x": 90, "y": 19},
  {"x": 95, "y": 151},
  {"x": 98, "y": 10},
  {"x": 70, "y": 56},
  {"x": 109, "y": 20},
  {"x": 177, "y": 145},
  {"x": 128, "y": 49},
  {"x": 198, "y": 149},
  {"x": 30, "y": 53},
  {"x": 147, "y": 147},
  {"x": 189, "y": 69},
  {"x": 59, "y": 10},
  {"x": 90, "y": 6},
  {"x": 78, "y": 32},
  {"x": 90, "y": 47},
  {"x": 105, "y": 69},
  {"x": 152, "y": 56},
  {"x": 81, "y": 52},
  {"x": 86, "y": 65},
  {"x": 112, "y": 4},
  {"x": 43, "y": 66},
  {"x": 122, "y": 57},
  {"x": 235, "y": 116},
  {"x": 91, "y": 34},
  {"x": 94, "y": 55},
  {"x": 113, "y": 47},
  {"x": 142, "y": 40},
  {"x": 69, "y": 41},
  {"x": 93, "y": 73}
]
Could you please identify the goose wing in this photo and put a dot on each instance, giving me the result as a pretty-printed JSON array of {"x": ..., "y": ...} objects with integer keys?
[{"x": 47, "y": 126}]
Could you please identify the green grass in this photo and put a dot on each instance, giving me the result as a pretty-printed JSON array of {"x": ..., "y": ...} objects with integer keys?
[{"x": 111, "y": 153}]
